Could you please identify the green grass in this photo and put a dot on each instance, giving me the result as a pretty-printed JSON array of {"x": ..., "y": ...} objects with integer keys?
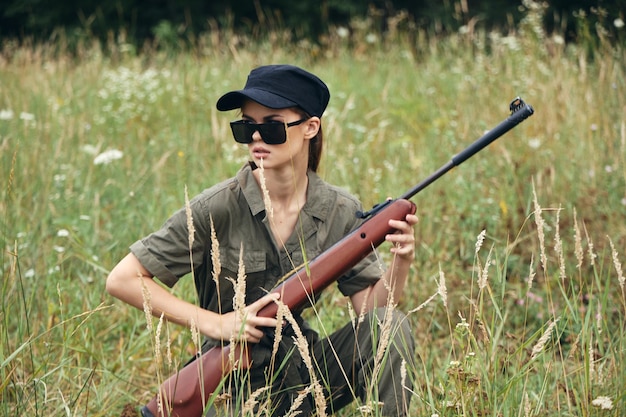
[{"x": 401, "y": 107}]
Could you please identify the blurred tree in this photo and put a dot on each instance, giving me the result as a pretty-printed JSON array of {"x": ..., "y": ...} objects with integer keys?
[{"x": 147, "y": 19}]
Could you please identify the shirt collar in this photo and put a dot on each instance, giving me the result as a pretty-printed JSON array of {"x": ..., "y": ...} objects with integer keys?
[{"x": 317, "y": 196}]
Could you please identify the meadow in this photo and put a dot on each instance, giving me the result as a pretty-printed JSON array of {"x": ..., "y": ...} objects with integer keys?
[{"x": 517, "y": 294}]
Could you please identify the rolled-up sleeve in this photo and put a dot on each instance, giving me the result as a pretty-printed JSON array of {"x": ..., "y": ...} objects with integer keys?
[{"x": 166, "y": 253}]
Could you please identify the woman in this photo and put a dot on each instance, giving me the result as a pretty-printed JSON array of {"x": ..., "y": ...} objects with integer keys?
[{"x": 272, "y": 216}]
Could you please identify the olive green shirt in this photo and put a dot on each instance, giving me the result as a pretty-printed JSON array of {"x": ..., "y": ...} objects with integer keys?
[{"x": 235, "y": 208}]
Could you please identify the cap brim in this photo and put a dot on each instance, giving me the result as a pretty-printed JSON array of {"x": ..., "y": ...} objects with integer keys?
[{"x": 235, "y": 99}]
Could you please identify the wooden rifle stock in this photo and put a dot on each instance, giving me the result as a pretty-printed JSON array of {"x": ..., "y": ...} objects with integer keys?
[{"x": 186, "y": 393}]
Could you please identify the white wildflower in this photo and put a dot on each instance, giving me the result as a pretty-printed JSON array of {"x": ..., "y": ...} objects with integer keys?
[
  {"x": 63, "y": 233},
  {"x": 28, "y": 117},
  {"x": 6, "y": 114},
  {"x": 618, "y": 23},
  {"x": 342, "y": 32},
  {"x": 463, "y": 324},
  {"x": 107, "y": 157},
  {"x": 89, "y": 149},
  {"x": 558, "y": 39},
  {"x": 534, "y": 143},
  {"x": 605, "y": 403}
]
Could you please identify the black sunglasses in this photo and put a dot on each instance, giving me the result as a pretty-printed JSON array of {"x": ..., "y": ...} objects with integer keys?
[{"x": 272, "y": 133}]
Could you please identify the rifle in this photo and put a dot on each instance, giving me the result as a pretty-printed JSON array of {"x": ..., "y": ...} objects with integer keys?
[{"x": 186, "y": 393}]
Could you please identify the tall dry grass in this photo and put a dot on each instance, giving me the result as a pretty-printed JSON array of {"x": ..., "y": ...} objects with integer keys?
[{"x": 517, "y": 293}]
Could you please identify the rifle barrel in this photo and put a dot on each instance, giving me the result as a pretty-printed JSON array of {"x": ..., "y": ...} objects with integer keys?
[{"x": 520, "y": 111}]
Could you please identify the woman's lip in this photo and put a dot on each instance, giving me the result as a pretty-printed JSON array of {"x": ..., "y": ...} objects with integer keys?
[
  {"x": 258, "y": 150},
  {"x": 260, "y": 155}
]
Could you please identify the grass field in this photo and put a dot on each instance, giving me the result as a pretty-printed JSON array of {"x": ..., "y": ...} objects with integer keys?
[{"x": 517, "y": 295}]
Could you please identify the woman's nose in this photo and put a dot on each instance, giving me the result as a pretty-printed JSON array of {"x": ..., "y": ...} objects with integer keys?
[{"x": 256, "y": 136}]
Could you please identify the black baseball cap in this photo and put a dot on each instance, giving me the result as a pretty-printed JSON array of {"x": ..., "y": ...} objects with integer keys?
[{"x": 280, "y": 87}]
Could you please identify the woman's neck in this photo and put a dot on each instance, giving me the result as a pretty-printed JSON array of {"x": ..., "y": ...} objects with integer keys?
[
  {"x": 284, "y": 195},
  {"x": 286, "y": 187}
]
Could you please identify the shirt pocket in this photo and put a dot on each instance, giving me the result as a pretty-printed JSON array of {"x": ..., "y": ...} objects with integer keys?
[
  {"x": 254, "y": 261},
  {"x": 255, "y": 266}
]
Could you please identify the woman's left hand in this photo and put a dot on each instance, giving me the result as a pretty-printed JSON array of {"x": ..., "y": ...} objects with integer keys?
[{"x": 403, "y": 240}]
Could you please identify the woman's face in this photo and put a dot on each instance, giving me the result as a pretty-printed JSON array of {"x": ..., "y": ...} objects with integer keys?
[{"x": 294, "y": 151}]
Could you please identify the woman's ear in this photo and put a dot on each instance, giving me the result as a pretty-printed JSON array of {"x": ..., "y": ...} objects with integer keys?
[{"x": 312, "y": 126}]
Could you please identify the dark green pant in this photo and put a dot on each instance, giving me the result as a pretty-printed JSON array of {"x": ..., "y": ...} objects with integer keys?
[{"x": 343, "y": 362}]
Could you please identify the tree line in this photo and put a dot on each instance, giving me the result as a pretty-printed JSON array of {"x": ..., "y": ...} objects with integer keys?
[{"x": 142, "y": 20}]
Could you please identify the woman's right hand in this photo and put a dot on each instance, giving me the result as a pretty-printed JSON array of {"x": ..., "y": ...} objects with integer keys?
[
  {"x": 244, "y": 327},
  {"x": 132, "y": 283}
]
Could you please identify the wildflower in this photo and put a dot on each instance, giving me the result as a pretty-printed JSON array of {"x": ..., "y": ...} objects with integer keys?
[
  {"x": 618, "y": 23},
  {"x": 27, "y": 117},
  {"x": 342, "y": 32},
  {"x": 463, "y": 324},
  {"x": 534, "y": 143},
  {"x": 557, "y": 39},
  {"x": 605, "y": 403},
  {"x": 107, "y": 157},
  {"x": 63, "y": 233},
  {"x": 89, "y": 149},
  {"x": 6, "y": 114}
]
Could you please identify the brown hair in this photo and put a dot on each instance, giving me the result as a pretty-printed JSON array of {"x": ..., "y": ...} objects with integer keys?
[
  {"x": 315, "y": 150},
  {"x": 316, "y": 144}
]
